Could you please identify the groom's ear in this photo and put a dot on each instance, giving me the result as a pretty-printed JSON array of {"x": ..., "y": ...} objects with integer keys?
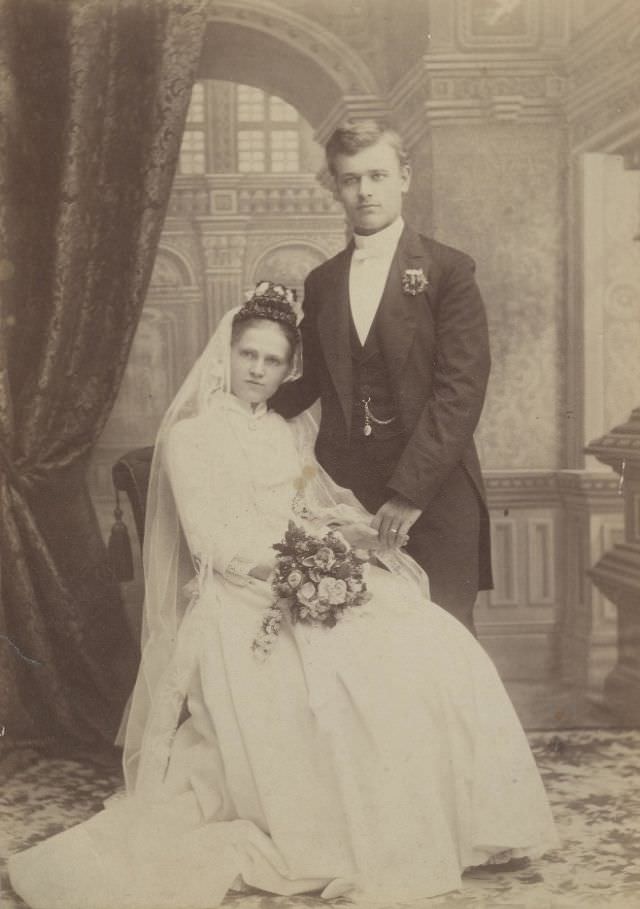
[
  {"x": 326, "y": 179},
  {"x": 405, "y": 177}
]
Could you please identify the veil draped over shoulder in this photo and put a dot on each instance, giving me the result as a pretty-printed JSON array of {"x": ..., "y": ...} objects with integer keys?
[{"x": 170, "y": 568}]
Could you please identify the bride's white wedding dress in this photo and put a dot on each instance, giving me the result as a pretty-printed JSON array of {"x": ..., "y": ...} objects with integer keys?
[{"x": 381, "y": 757}]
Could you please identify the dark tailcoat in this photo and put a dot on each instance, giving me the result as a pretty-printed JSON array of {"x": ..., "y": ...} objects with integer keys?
[{"x": 435, "y": 345}]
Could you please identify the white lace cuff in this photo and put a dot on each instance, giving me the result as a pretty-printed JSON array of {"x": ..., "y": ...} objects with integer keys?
[{"x": 237, "y": 570}]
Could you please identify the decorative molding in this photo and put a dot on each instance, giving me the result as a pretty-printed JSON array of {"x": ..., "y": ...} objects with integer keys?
[
  {"x": 223, "y": 202},
  {"x": 586, "y": 13},
  {"x": 515, "y": 627},
  {"x": 504, "y": 537},
  {"x": 576, "y": 620},
  {"x": 596, "y": 51},
  {"x": 341, "y": 63},
  {"x": 407, "y": 100},
  {"x": 507, "y": 488},
  {"x": 589, "y": 491},
  {"x": 287, "y": 260},
  {"x": 288, "y": 256},
  {"x": 160, "y": 296},
  {"x": 577, "y": 543},
  {"x": 285, "y": 200},
  {"x": 489, "y": 25},
  {"x": 189, "y": 196},
  {"x": 224, "y": 250},
  {"x": 454, "y": 87},
  {"x": 482, "y": 24},
  {"x": 604, "y": 73},
  {"x": 548, "y": 527},
  {"x": 541, "y": 551},
  {"x": 352, "y": 107},
  {"x": 179, "y": 239},
  {"x": 251, "y": 195},
  {"x": 499, "y": 87},
  {"x": 531, "y": 489},
  {"x": 586, "y": 482},
  {"x": 172, "y": 268},
  {"x": 556, "y": 24},
  {"x": 612, "y": 124},
  {"x": 404, "y": 106}
]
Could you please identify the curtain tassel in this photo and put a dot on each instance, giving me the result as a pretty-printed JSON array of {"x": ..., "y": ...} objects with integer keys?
[{"x": 119, "y": 547}]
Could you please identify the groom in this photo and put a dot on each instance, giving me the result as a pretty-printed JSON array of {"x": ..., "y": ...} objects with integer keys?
[{"x": 395, "y": 346}]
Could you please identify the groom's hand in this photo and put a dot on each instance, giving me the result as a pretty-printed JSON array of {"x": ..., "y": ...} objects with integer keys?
[
  {"x": 394, "y": 520},
  {"x": 360, "y": 536}
]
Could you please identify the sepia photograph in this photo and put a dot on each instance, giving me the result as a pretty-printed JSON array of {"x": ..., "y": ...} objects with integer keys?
[{"x": 319, "y": 454}]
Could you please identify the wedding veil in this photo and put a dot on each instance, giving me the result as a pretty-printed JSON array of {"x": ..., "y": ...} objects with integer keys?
[
  {"x": 169, "y": 568},
  {"x": 168, "y": 565}
]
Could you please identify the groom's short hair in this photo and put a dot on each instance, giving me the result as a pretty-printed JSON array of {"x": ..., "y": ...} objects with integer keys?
[{"x": 354, "y": 135}]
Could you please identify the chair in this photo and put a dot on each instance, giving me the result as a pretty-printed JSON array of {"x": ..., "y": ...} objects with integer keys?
[{"x": 130, "y": 474}]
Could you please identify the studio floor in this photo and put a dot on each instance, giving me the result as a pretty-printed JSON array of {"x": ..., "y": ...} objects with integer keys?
[{"x": 591, "y": 776}]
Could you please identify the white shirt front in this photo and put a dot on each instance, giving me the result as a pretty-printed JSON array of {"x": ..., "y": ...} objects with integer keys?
[{"x": 370, "y": 264}]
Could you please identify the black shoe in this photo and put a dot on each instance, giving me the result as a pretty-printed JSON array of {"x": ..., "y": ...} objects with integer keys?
[{"x": 514, "y": 864}]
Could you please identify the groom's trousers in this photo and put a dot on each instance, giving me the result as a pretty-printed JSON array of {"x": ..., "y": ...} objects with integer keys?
[{"x": 444, "y": 541}]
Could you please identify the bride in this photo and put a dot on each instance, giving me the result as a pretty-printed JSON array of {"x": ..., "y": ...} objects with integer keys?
[{"x": 376, "y": 759}]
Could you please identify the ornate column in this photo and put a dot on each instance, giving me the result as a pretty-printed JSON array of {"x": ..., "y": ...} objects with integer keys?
[{"x": 617, "y": 574}]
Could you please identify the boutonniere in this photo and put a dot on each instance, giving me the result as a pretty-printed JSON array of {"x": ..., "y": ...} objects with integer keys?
[{"x": 414, "y": 281}]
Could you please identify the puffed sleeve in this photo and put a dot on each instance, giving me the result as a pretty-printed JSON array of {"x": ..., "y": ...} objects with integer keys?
[{"x": 216, "y": 514}]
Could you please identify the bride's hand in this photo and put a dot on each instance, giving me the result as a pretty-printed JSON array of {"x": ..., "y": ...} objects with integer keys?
[
  {"x": 261, "y": 572},
  {"x": 360, "y": 536}
]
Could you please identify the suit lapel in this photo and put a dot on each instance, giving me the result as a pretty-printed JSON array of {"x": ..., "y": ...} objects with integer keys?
[
  {"x": 333, "y": 330},
  {"x": 398, "y": 310}
]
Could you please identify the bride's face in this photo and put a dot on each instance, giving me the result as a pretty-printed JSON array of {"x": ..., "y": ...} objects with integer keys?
[{"x": 260, "y": 361}]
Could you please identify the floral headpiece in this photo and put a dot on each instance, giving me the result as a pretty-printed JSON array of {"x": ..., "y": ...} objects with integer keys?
[{"x": 271, "y": 301}]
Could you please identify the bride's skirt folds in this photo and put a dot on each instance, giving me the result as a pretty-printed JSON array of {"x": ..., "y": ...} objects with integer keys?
[{"x": 379, "y": 758}]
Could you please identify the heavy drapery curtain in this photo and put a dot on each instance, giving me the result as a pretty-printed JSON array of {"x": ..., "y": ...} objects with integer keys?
[{"x": 94, "y": 95}]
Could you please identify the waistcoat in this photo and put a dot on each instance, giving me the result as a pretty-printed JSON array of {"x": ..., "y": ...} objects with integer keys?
[{"x": 371, "y": 380}]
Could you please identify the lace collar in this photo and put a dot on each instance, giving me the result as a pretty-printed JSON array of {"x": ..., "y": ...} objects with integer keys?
[{"x": 232, "y": 404}]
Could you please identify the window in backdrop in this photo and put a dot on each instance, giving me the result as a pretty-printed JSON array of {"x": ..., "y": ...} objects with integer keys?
[{"x": 233, "y": 128}]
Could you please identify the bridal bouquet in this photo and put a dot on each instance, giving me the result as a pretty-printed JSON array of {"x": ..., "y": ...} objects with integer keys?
[{"x": 315, "y": 580}]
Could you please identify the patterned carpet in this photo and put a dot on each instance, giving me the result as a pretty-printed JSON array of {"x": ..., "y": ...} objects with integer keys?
[{"x": 591, "y": 776}]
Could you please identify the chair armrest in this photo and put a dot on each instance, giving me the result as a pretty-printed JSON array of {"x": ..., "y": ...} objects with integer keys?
[{"x": 130, "y": 475}]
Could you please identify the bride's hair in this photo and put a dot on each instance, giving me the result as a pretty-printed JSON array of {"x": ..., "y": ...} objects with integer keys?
[{"x": 271, "y": 302}]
